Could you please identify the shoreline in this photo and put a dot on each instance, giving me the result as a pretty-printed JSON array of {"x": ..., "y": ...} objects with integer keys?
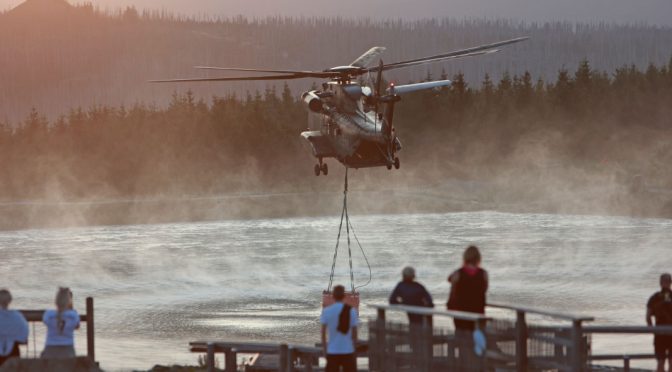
[{"x": 23, "y": 215}]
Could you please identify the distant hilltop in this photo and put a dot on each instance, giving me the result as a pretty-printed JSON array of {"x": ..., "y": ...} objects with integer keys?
[{"x": 31, "y": 8}]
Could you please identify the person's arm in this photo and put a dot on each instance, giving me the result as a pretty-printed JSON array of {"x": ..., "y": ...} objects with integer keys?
[
  {"x": 487, "y": 280},
  {"x": 75, "y": 318},
  {"x": 324, "y": 339},
  {"x": 393, "y": 297},
  {"x": 649, "y": 316},
  {"x": 427, "y": 298},
  {"x": 454, "y": 277},
  {"x": 649, "y": 311}
]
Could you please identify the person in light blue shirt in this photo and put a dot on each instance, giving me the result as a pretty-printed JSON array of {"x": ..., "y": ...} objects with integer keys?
[
  {"x": 13, "y": 328},
  {"x": 61, "y": 325},
  {"x": 339, "y": 322}
]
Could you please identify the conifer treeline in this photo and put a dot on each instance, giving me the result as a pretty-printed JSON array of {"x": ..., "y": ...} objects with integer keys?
[
  {"x": 75, "y": 56},
  {"x": 583, "y": 125}
]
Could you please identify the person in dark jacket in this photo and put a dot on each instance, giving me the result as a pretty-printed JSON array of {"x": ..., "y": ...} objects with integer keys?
[
  {"x": 659, "y": 307},
  {"x": 468, "y": 287},
  {"x": 410, "y": 292},
  {"x": 467, "y": 293}
]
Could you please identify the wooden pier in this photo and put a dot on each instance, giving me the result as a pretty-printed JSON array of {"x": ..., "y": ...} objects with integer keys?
[{"x": 514, "y": 344}]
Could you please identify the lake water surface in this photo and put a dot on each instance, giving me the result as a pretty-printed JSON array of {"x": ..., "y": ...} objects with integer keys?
[{"x": 157, "y": 287}]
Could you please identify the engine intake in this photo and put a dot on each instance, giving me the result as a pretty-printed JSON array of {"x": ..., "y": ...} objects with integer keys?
[{"x": 313, "y": 101}]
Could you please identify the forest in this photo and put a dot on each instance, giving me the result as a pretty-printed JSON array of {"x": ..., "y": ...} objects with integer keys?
[
  {"x": 541, "y": 139},
  {"x": 577, "y": 120},
  {"x": 54, "y": 56}
]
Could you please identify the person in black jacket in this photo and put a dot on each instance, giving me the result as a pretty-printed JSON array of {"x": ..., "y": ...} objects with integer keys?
[
  {"x": 410, "y": 292},
  {"x": 659, "y": 307}
]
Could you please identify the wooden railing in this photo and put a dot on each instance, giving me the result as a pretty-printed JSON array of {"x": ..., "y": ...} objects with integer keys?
[
  {"x": 36, "y": 316},
  {"x": 569, "y": 343},
  {"x": 626, "y": 358},
  {"x": 394, "y": 347},
  {"x": 571, "y": 338},
  {"x": 288, "y": 355}
]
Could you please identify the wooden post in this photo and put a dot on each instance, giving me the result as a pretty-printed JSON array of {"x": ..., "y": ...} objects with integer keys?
[
  {"x": 577, "y": 363},
  {"x": 380, "y": 341},
  {"x": 291, "y": 357},
  {"x": 426, "y": 340},
  {"x": 230, "y": 360},
  {"x": 626, "y": 363},
  {"x": 558, "y": 350},
  {"x": 308, "y": 363},
  {"x": 483, "y": 360},
  {"x": 521, "y": 342},
  {"x": 210, "y": 358},
  {"x": 283, "y": 360},
  {"x": 90, "y": 326}
]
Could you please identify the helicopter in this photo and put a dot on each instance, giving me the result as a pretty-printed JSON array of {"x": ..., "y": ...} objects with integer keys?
[{"x": 350, "y": 121}]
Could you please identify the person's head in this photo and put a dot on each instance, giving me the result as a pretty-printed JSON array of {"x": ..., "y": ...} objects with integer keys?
[
  {"x": 472, "y": 256},
  {"x": 408, "y": 274},
  {"x": 665, "y": 281},
  {"x": 338, "y": 293},
  {"x": 5, "y": 298},
  {"x": 63, "y": 299}
]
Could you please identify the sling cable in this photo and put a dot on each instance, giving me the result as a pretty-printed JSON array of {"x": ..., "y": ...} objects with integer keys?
[{"x": 352, "y": 297}]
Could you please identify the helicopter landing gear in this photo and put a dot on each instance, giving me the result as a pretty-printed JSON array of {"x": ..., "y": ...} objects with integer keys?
[
  {"x": 321, "y": 168},
  {"x": 389, "y": 166},
  {"x": 397, "y": 164}
]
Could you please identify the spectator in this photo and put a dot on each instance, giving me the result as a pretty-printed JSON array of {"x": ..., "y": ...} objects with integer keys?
[
  {"x": 61, "y": 324},
  {"x": 410, "y": 292},
  {"x": 468, "y": 287},
  {"x": 339, "y": 323},
  {"x": 13, "y": 328},
  {"x": 660, "y": 308}
]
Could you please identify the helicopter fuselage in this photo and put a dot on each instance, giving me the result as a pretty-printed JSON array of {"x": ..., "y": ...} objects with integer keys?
[{"x": 342, "y": 124}]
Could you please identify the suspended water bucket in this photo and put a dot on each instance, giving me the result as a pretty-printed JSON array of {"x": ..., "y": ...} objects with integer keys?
[{"x": 351, "y": 298}]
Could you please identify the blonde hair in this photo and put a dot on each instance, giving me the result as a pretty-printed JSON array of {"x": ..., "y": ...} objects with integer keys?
[
  {"x": 63, "y": 301},
  {"x": 472, "y": 255}
]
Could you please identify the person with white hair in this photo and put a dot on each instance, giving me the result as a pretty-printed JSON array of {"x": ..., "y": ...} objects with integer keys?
[
  {"x": 410, "y": 292},
  {"x": 61, "y": 324},
  {"x": 13, "y": 328}
]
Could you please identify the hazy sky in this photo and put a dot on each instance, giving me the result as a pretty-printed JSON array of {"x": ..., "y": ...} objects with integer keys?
[{"x": 650, "y": 11}]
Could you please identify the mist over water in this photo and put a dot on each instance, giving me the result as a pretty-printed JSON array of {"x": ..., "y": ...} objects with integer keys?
[{"x": 157, "y": 287}]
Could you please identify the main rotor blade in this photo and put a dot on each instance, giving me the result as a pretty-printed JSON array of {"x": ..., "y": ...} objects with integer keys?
[
  {"x": 241, "y": 78},
  {"x": 368, "y": 57},
  {"x": 315, "y": 74},
  {"x": 425, "y": 61},
  {"x": 469, "y": 52}
]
